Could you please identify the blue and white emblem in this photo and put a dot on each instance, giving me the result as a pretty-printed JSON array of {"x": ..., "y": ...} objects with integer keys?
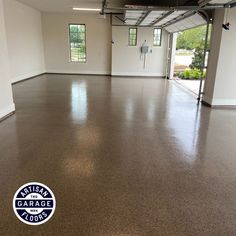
[{"x": 34, "y": 203}]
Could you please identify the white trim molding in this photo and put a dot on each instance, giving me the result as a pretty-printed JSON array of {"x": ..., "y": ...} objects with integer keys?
[
  {"x": 223, "y": 102},
  {"x": 26, "y": 76},
  {"x": 133, "y": 74},
  {"x": 219, "y": 102}
]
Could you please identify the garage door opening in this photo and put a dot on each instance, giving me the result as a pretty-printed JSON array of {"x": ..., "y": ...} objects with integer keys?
[
  {"x": 189, "y": 61},
  {"x": 189, "y": 58}
]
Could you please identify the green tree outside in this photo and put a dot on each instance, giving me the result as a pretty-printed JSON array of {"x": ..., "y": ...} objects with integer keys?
[{"x": 192, "y": 38}]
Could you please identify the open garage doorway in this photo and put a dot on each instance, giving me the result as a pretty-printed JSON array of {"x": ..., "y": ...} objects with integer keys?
[
  {"x": 189, "y": 71},
  {"x": 188, "y": 51}
]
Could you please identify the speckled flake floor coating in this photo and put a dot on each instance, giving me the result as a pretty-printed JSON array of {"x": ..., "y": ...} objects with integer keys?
[{"x": 123, "y": 156}]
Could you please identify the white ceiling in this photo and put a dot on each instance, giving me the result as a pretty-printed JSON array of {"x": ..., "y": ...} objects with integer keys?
[
  {"x": 132, "y": 17},
  {"x": 66, "y": 5}
]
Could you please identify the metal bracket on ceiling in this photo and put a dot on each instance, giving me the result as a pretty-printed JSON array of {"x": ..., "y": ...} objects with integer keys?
[
  {"x": 231, "y": 4},
  {"x": 161, "y": 8},
  {"x": 104, "y": 6}
]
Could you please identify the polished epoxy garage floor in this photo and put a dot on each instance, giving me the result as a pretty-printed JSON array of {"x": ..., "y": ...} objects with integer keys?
[{"x": 123, "y": 156}]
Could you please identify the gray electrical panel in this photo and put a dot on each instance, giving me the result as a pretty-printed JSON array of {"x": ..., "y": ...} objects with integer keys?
[{"x": 144, "y": 49}]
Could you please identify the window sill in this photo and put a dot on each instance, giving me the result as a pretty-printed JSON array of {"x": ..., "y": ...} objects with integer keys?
[{"x": 78, "y": 62}]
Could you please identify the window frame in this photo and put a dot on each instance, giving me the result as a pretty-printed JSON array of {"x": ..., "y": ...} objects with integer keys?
[
  {"x": 136, "y": 41},
  {"x": 85, "y": 36},
  {"x": 157, "y": 45}
]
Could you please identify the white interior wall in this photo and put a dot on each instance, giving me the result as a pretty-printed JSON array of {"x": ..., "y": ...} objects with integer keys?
[
  {"x": 39, "y": 42},
  {"x": 24, "y": 39},
  {"x": 220, "y": 88},
  {"x": 127, "y": 60},
  {"x": 6, "y": 100},
  {"x": 56, "y": 43}
]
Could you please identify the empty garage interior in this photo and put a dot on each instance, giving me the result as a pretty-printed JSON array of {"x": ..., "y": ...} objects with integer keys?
[{"x": 88, "y": 108}]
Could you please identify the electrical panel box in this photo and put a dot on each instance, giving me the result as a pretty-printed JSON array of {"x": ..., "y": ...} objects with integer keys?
[{"x": 144, "y": 49}]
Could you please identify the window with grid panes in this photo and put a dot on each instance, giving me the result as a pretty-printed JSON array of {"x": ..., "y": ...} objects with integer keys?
[
  {"x": 157, "y": 37},
  {"x": 77, "y": 34},
  {"x": 132, "y": 36}
]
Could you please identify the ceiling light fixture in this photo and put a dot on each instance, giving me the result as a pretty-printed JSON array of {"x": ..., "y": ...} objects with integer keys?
[{"x": 86, "y": 9}]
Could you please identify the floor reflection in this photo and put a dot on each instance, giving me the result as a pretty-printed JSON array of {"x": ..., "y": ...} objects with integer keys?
[
  {"x": 183, "y": 125},
  {"x": 129, "y": 109},
  {"x": 151, "y": 110},
  {"x": 79, "y": 101}
]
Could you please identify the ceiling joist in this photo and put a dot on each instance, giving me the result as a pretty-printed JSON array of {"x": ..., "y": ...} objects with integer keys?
[
  {"x": 186, "y": 23},
  {"x": 167, "y": 8},
  {"x": 161, "y": 18},
  {"x": 179, "y": 18},
  {"x": 165, "y": 16},
  {"x": 140, "y": 21}
]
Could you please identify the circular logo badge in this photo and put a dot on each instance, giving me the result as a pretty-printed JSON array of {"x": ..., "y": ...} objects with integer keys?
[{"x": 34, "y": 203}]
